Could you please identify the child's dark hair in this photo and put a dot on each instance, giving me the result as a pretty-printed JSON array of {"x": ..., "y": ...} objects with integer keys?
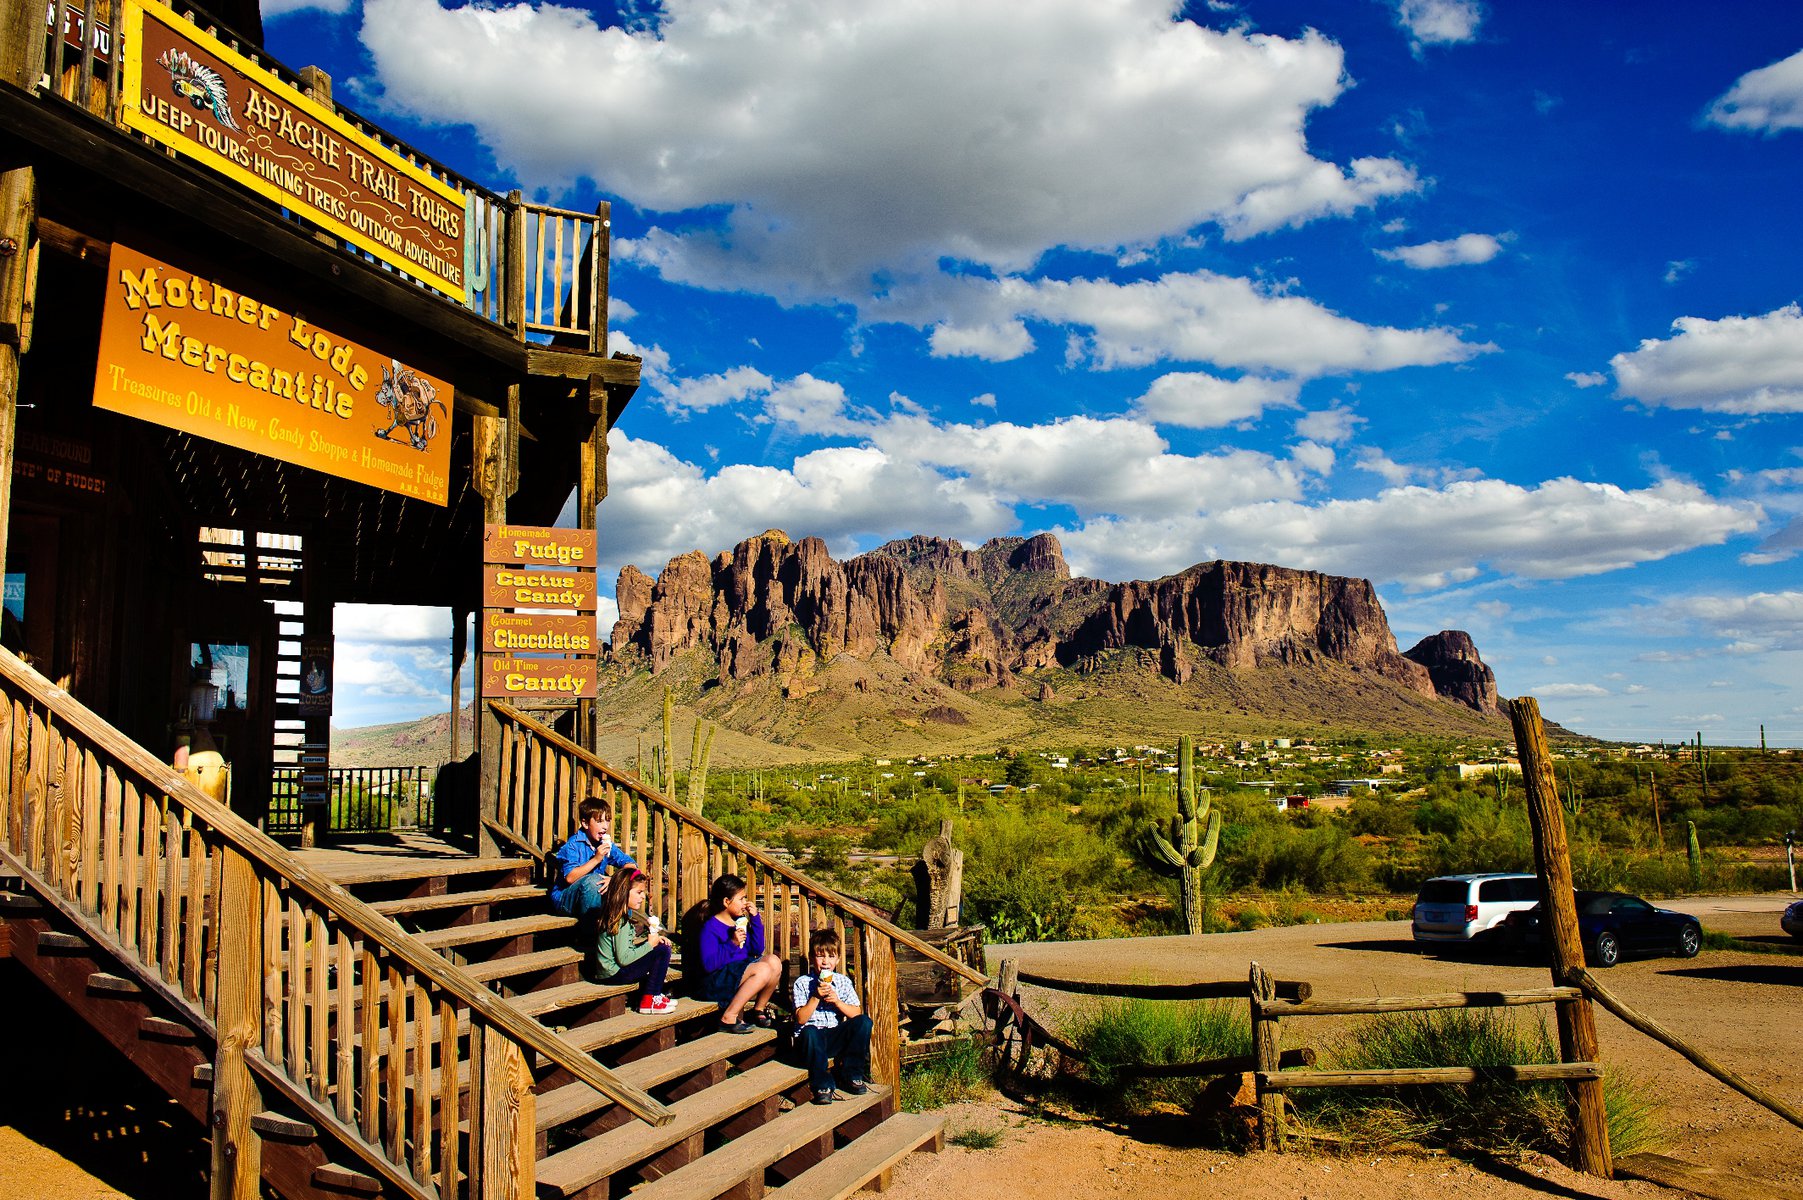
[
  {"x": 825, "y": 939},
  {"x": 723, "y": 889},
  {"x": 593, "y": 806}
]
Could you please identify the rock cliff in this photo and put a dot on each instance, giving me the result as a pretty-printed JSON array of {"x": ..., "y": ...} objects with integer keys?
[{"x": 980, "y": 619}]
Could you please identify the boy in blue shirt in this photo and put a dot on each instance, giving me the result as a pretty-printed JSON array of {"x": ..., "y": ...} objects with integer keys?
[
  {"x": 579, "y": 874},
  {"x": 830, "y": 1023}
]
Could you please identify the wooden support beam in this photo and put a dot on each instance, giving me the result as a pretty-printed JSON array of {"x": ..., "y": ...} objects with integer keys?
[
  {"x": 495, "y": 470},
  {"x": 1267, "y": 1038},
  {"x": 237, "y": 1146},
  {"x": 1558, "y": 906},
  {"x": 882, "y": 1005},
  {"x": 18, "y": 285},
  {"x": 509, "y": 1142}
]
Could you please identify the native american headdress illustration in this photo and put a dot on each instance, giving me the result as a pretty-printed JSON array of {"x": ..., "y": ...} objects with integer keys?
[{"x": 200, "y": 84}]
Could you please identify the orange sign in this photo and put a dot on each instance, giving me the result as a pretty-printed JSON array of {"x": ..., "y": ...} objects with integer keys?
[
  {"x": 537, "y": 633},
  {"x": 547, "y": 678},
  {"x": 529, "y": 587},
  {"x": 538, "y": 546},
  {"x": 183, "y": 351},
  {"x": 188, "y": 90}
]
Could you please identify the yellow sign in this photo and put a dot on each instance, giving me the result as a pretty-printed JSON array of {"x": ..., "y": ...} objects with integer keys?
[
  {"x": 186, "y": 89},
  {"x": 182, "y": 350}
]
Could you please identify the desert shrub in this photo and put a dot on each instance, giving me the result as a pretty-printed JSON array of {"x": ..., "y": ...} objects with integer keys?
[
  {"x": 1277, "y": 856},
  {"x": 1480, "y": 1117},
  {"x": 1114, "y": 1035},
  {"x": 1380, "y": 814},
  {"x": 958, "y": 1075},
  {"x": 1026, "y": 876}
]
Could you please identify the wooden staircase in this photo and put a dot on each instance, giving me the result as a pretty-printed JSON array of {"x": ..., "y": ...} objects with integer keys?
[{"x": 413, "y": 1028}]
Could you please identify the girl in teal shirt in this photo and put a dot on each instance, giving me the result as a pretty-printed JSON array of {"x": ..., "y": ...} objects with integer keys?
[{"x": 626, "y": 948}]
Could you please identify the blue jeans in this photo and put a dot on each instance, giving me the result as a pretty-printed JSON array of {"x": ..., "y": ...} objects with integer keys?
[
  {"x": 848, "y": 1042},
  {"x": 647, "y": 971},
  {"x": 583, "y": 898}
]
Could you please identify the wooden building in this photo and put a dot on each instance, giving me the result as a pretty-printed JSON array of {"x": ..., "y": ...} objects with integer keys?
[
  {"x": 258, "y": 357},
  {"x": 172, "y": 567}
]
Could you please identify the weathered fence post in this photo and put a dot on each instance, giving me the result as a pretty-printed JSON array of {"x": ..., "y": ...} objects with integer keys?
[
  {"x": 883, "y": 1004},
  {"x": 1552, "y": 860},
  {"x": 508, "y": 1148},
  {"x": 237, "y": 1150},
  {"x": 1267, "y": 1037},
  {"x": 1008, "y": 981}
]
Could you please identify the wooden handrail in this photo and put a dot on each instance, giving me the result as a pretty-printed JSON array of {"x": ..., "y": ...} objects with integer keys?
[
  {"x": 832, "y": 896},
  {"x": 349, "y": 910},
  {"x": 1400, "y": 1004}
]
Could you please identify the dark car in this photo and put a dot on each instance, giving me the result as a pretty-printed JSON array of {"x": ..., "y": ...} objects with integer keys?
[{"x": 1612, "y": 924}]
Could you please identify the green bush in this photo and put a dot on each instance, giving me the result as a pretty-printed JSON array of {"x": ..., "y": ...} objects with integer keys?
[
  {"x": 1115, "y": 1035},
  {"x": 958, "y": 1075},
  {"x": 1480, "y": 1117}
]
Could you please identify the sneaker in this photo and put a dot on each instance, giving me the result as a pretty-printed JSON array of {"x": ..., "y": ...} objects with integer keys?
[
  {"x": 657, "y": 1004},
  {"x": 856, "y": 1086},
  {"x": 741, "y": 1026},
  {"x": 823, "y": 1095}
]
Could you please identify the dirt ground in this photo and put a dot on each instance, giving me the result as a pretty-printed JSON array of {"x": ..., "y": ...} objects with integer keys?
[{"x": 1746, "y": 1010}]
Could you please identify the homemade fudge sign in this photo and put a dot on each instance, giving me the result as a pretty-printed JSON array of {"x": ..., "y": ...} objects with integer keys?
[
  {"x": 180, "y": 349},
  {"x": 531, "y": 567}
]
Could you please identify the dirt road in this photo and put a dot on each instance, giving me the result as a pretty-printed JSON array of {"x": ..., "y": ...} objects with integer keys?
[{"x": 1745, "y": 1010}]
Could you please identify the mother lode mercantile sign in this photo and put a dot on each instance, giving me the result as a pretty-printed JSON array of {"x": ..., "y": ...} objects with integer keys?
[{"x": 180, "y": 349}]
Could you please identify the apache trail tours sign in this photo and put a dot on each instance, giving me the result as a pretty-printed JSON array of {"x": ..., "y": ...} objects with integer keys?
[
  {"x": 187, "y": 90},
  {"x": 180, "y": 350}
]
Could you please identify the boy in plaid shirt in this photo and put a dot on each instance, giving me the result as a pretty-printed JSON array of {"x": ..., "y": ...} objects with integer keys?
[{"x": 830, "y": 1023}]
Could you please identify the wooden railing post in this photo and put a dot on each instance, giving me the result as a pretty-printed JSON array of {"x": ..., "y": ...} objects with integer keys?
[
  {"x": 883, "y": 1007},
  {"x": 1552, "y": 859},
  {"x": 1267, "y": 1053},
  {"x": 237, "y": 1148},
  {"x": 507, "y": 1144}
]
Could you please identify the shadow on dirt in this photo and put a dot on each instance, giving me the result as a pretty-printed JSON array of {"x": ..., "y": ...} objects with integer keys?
[{"x": 1777, "y": 974}]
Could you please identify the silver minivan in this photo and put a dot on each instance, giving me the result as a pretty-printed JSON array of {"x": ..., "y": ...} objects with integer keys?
[{"x": 1461, "y": 908}]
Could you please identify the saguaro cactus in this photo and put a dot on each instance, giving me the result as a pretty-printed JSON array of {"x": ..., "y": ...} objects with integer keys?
[
  {"x": 701, "y": 750},
  {"x": 1695, "y": 851},
  {"x": 1195, "y": 833}
]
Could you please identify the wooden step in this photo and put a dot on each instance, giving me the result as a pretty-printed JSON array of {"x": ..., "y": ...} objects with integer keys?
[
  {"x": 50, "y": 939},
  {"x": 346, "y": 1179},
  {"x": 164, "y": 1030},
  {"x": 118, "y": 985},
  {"x": 494, "y": 931},
  {"x": 600, "y": 1034},
  {"x": 846, "y": 1171},
  {"x": 352, "y": 870},
  {"x": 572, "y": 995},
  {"x": 748, "y": 1156},
  {"x": 420, "y": 904},
  {"x": 496, "y": 970},
  {"x": 617, "y": 1150},
  {"x": 574, "y": 1101},
  {"x": 20, "y": 903},
  {"x": 275, "y": 1124}
]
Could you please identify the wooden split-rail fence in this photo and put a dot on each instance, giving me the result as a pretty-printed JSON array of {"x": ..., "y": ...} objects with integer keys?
[{"x": 305, "y": 1014}]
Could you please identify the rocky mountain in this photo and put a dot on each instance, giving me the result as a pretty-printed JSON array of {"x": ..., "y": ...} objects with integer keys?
[{"x": 779, "y": 611}]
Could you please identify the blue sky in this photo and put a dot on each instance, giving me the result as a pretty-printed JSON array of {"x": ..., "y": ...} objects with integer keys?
[{"x": 1495, "y": 305}]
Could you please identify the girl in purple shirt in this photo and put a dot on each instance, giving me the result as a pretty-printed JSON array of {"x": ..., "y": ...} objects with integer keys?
[{"x": 740, "y": 975}]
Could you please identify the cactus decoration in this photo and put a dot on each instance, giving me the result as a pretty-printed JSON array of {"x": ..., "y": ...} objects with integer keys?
[
  {"x": 701, "y": 749},
  {"x": 1696, "y": 857},
  {"x": 1195, "y": 833}
]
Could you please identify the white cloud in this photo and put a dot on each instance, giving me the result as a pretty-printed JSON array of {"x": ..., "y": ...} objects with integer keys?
[
  {"x": 1464, "y": 250},
  {"x": 1767, "y": 100},
  {"x": 986, "y": 400},
  {"x": 1439, "y": 22},
  {"x": 1226, "y": 321},
  {"x": 281, "y": 8},
  {"x": 711, "y": 391},
  {"x": 368, "y": 669},
  {"x": 847, "y": 139},
  {"x": 1002, "y": 342},
  {"x": 1378, "y": 463},
  {"x": 393, "y": 624},
  {"x": 1734, "y": 365},
  {"x": 1771, "y": 618},
  {"x": 1427, "y": 537},
  {"x": 1568, "y": 691},
  {"x": 1333, "y": 425},
  {"x": 1587, "y": 379},
  {"x": 1678, "y": 268},
  {"x": 1313, "y": 457},
  {"x": 1198, "y": 400}
]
